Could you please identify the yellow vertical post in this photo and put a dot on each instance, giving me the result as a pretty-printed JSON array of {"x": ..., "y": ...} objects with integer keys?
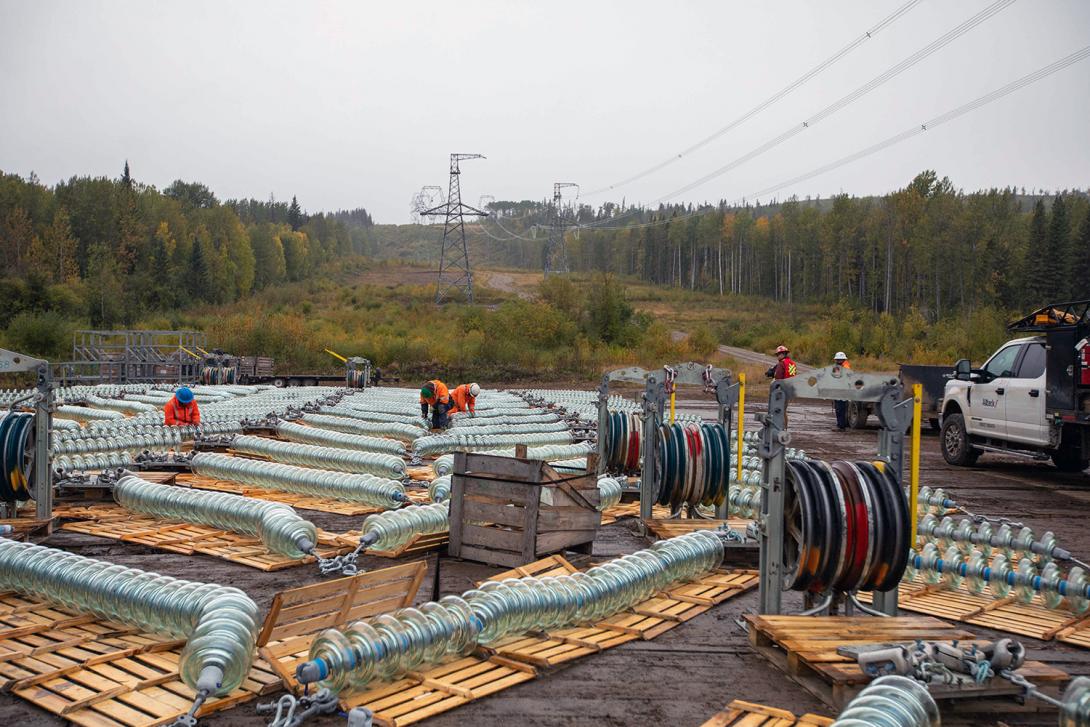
[
  {"x": 914, "y": 461},
  {"x": 741, "y": 421},
  {"x": 673, "y": 396}
]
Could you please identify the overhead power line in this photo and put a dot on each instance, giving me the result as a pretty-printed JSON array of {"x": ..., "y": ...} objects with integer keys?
[
  {"x": 867, "y": 35},
  {"x": 845, "y": 101},
  {"x": 1024, "y": 81}
]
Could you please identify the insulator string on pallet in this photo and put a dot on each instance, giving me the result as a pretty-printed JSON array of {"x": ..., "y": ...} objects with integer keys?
[
  {"x": 329, "y": 458},
  {"x": 385, "y": 646},
  {"x": 219, "y": 622}
]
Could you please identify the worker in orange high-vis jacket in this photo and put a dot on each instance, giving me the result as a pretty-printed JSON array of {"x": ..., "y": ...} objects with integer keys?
[
  {"x": 464, "y": 398},
  {"x": 181, "y": 409},
  {"x": 435, "y": 394}
]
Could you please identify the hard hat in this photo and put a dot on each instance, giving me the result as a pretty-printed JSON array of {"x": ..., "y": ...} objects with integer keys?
[
  {"x": 840, "y": 356},
  {"x": 184, "y": 395},
  {"x": 427, "y": 389},
  {"x": 474, "y": 390},
  {"x": 782, "y": 349}
]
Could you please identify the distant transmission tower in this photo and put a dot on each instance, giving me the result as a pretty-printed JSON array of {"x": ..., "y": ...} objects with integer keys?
[
  {"x": 428, "y": 197},
  {"x": 454, "y": 269},
  {"x": 556, "y": 253}
]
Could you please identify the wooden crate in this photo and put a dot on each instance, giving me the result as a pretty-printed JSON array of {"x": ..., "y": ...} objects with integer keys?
[
  {"x": 303, "y": 502},
  {"x": 748, "y": 714},
  {"x": 805, "y": 648},
  {"x": 509, "y": 511},
  {"x": 1002, "y": 614},
  {"x": 117, "y": 523}
]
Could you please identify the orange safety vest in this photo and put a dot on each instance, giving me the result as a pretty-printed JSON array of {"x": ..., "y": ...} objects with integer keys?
[
  {"x": 442, "y": 394},
  {"x": 463, "y": 400},
  {"x": 176, "y": 413}
]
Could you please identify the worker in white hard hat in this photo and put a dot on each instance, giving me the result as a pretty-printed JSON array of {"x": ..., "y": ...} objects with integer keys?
[
  {"x": 464, "y": 398},
  {"x": 841, "y": 407}
]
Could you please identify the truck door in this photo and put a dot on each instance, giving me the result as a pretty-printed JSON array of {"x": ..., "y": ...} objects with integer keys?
[
  {"x": 1025, "y": 396},
  {"x": 988, "y": 398}
]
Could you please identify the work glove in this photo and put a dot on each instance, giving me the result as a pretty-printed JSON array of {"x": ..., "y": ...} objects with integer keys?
[
  {"x": 771, "y": 372},
  {"x": 424, "y": 410}
]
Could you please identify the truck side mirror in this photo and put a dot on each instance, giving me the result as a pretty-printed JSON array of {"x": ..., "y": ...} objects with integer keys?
[{"x": 962, "y": 369}]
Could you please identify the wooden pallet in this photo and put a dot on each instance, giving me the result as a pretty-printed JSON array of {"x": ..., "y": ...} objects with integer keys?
[
  {"x": 1077, "y": 634},
  {"x": 25, "y": 527},
  {"x": 669, "y": 528},
  {"x": 303, "y": 502},
  {"x": 748, "y": 714},
  {"x": 99, "y": 673},
  {"x": 805, "y": 648},
  {"x": 117, "y": 523},
  {"x": 420, "y": 543},
  {"x": 632, "y": 509},
  {"x": 297, "y": 615},
  {"x": 1002, "y": 614},
  {"x": 421, "y": 474}
]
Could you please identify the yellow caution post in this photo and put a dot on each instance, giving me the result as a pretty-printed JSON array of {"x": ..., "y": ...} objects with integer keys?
[
  {"x": 189, "y": 352},
  {"x": 741, "y": 421},
  {"x": 914, "y": 460}
]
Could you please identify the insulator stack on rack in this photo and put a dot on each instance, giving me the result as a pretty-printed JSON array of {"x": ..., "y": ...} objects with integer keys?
[
  {"x": 366, "y": 489},
  {"x": 383, "y": 647},
  {"x": 93, "y": 461},
  {"x": 328, "y": 458},
  {"x": 359, "y": 410},
  {"x": 502, "y": 428},
  {"x": 219, "y": 622},
  {"x": 16, "y": 456},
  {"x": 325, "y": 437},
  {"x": 84, "y": 413},
  {"x": 444, "y": 443},
  {"x": 693, "y": 465},
  {"x": 275, "y": 524}
]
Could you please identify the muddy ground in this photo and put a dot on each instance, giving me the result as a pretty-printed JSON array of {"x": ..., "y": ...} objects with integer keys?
[{"x": 689, "y": 673}]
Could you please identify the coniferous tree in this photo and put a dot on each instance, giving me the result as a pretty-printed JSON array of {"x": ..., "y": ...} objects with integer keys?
[
  {"x": 295, "y": 214},
  {"x": 1056, "y": 261},
  {"x": 1038, "y": 285},
  {"x": 1079, "y": 282}
]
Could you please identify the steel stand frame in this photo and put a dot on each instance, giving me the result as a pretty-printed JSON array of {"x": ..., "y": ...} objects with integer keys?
[
  {"x": 652, "y": 410},
  {"x": 13, "y": 362},
  {"x": 832, "y": 383},
  {"x": 359, "y": 363}
]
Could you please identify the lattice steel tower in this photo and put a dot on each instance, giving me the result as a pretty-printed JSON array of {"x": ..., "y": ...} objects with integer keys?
[
  {"x": 454, "y": 268},
  {"x": 556, "y": 252}
]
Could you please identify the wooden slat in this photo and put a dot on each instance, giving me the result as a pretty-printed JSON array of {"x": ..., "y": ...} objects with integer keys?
[{"x": 748, "y": 714}]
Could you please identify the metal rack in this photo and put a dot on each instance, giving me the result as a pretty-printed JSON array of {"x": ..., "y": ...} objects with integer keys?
[
  {"x": 42, "y": 398},
  {"x": 653, "y": 409},
  {"x": 833, "y": 383},
  {"x": 127, "y": 356}
]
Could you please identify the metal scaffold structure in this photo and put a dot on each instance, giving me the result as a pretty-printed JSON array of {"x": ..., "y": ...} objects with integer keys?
[
  {"x": 455, "y": 272},
  {"x": 123, "y": 357}
]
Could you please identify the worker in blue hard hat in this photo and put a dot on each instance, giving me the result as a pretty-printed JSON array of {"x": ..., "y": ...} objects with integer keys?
[{"x": 182, "y": 409}]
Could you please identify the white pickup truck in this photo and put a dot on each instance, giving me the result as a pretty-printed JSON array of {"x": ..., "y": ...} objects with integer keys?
[{"x": 1032, "y": 397}]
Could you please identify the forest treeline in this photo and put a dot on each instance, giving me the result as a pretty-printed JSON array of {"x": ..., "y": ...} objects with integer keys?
[
  {"x": 110, "y": 251},
  {"x": 927, "y": 247}
]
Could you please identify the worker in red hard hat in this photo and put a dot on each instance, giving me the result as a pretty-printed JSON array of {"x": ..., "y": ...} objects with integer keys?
[
  {"x": 784, "y": 368},
  {"x": 182, "y": 409},
  {"x": 464, "y": 398}
]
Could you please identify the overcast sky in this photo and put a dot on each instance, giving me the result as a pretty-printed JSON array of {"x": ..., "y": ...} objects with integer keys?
[{"x": 349, "y": 104}]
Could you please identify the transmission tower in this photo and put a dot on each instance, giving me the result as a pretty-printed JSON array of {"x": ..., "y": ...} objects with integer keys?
[
  {"x": 556, "y": 254},
  {"x": 454, "y": 269},
  {"x": 428, "y": 197}
]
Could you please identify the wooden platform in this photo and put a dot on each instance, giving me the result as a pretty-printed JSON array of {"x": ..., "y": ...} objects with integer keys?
[
  {"x": 632, "y": 509},
  {"x": 100, "y": 673},
  {"x": 748, "y": 714},
  {"x": 299, "y": 614},
  {"x": 420, "y": 543},
  {"x": 303, "y": 502},
  {"x": 670, "y": 528},
  {"x": 116, "y": 523},
  {"x": 805, "y": 648},
  {"x": 1003, "y": 614}
]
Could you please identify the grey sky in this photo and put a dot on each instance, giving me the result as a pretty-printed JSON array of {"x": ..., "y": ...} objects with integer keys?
[{"x": 351, "y": 104}]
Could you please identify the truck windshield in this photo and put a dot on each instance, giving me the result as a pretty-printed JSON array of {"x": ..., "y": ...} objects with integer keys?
[{"x": 1003, "y": 362}]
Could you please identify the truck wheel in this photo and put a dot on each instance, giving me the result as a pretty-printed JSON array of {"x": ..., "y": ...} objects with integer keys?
[
  {"x": 955, "y": 442},
  {"x": 858, "y": 413},
  {"x": 1069, "y": 460}
]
